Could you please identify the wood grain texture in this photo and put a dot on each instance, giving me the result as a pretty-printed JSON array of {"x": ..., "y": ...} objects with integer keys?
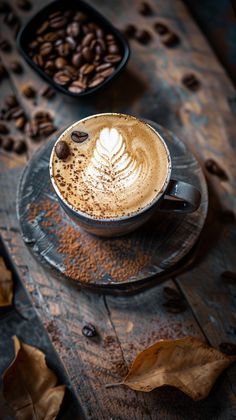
[{"x": 150, "y": 87}]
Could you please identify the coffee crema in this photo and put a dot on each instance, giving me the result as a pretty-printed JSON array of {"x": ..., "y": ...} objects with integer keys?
[{"x": 119, "y": 170}]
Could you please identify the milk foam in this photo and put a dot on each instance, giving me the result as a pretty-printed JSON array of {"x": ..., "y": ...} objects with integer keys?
[
  {"x": 117, "y": 171},
  {"x": 111, "y": 166}
]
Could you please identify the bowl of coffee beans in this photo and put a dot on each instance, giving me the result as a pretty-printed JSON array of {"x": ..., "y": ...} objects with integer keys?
[{"x": 73, "y": 47}]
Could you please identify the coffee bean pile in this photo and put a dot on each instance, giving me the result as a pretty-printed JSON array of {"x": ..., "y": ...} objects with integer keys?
[
  {"x": 74, "y": 51},
  {"x": 40, "y": 126}
]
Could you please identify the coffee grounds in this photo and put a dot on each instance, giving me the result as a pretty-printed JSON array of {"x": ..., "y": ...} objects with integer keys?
[{"x": 86, "y": 257}]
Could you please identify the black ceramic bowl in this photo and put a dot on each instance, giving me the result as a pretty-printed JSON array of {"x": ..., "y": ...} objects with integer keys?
[{"x": 27, "y": 34}]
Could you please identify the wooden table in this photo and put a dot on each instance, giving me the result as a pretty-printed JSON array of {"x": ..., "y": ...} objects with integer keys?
[{"x": 150, "y": 87}]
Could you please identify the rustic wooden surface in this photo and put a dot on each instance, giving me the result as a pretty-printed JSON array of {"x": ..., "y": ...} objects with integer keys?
[{"x": 150, "y": 87}]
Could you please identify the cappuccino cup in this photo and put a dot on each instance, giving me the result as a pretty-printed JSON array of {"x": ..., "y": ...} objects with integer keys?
[{"x": 112, "y": 171}]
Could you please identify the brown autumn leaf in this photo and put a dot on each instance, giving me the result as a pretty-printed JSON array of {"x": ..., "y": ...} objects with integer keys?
[
  {"x": 30, "y": 387},
  {"x": 187, "y": 364},
  {"x": 6, "y": 285}
]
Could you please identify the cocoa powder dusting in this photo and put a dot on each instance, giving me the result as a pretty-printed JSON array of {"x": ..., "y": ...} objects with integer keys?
[{"x": 86, "y": 257}]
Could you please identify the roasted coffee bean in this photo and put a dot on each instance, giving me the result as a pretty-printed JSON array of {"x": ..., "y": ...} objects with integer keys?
[
  {"x": 54, "y": 14},
  {"x": 38, "y": 59},
  {"x": 49, "y": 65},
  {"x": 42, "y": 115},
  {"x": 10, "y": 19},
  {"x": 100, "y": 46},
  {"x": 130, "y": 30},
  {"x": 103, "y": 66},
  {"x": 161, "y": 28},
  {"x": 50, "y": 37},
  {"x": 43, "y": 27},
  {"x": 61, "y": 78},
  {"x": 32, "y": 129},
  {"x": 11, "y": 101},
  {"x": 145, "y": 9},
  {"x": 96, "y": 81},
  {"x": 62, "y": 150},
  {"x": 58, "y": 22},
  {"x": 47, "y": 92},
  {"x": 87, "y": 68},
  {"x": 88, "y": 54},
  {"x": 15, "y": 113},
  {"x": 77, "y": 59},
  {"x": 20, "y": 123},
  {"x": 33, "y": 45},
  {"x": 112, "y": 58},
  {"x": 170, "y": 39},
  {"x": 86, "y": 41},
  {"x": 110, "y": 39},
  {"x": 227, "y": 216},
  {"x": 74, "y": 88},
  {"x": 107, "y": 72},
  {"x": 58, "y": 42},
  {"x": 46, "y": 128},
  {"x": 16, "y": 67},
  {"x": 24, "y": 4},
  {"x": 89, "y": 330},
  {"x": 60, "y": 63},
  {"x": 7, "y": 143},
  {"x": 5, "y": 45},
  {"x": 80, "y": 17},
  {"x": 214, "y": 168},
  {"x": 3, "y": 128},
  {"x": 28, "y": 91},
  {"x": 79, "y": 136},
  {"x": 71, "y": 41},
  {"x": 100, "y": 33},
  {"x": 143, "y": 36},
  {"x": 45, "y": 48},
  {"x": 73, "y": 29},
  {"x": 19, "y": 147},
  {"x": 64, "y": 49},
  {"x": 191, "y": 82},
  {"x": 228, "y": 348},
  {"x": 113, "y": 49}
]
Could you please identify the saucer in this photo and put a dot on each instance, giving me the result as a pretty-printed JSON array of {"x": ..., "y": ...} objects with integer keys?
[{"x": 126, "y": 264}]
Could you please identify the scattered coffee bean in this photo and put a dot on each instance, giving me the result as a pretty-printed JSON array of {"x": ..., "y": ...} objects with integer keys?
[
  {"x": 7, "y": 143},
  {"x": 227, "y": 216},
  {"x": 130, "y": 30},
  {"x": 3, "y": 128},
  {"x": 89, "y": 330},
  {"x": 47, "y": 92},
  {"x": 11, "y": 101},
  {"x": 16, "y": 67},
  {"x": 62, "y": 150},
  {"x": 20, "y": 123},
  {"x": 214, "y": 168},
  {"x": 19, "y": 147},
  {"x": 5, "y": 45},
  {"x": 170, "y": 39},
  {"x": 79, "y": 136},
  {"x": 145, "y": 9},
  {"x": 143, "y": 36},
  {"x": 24, "y": 4},
  {"x": 46, "y": 128},
  {"x": 161, "y": 28},
  {"x": 32, "y": 129},
  {"x": 191, "y": 82},
  {"x": 228, "y": 348},
  {"x": 16, "y": 112},
  {"x": 43, "y": 116},
  {"x": 28, "y": 91}
]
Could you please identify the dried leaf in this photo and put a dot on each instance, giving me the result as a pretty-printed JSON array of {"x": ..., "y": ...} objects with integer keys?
[
  {"x": 6, "y": 285},
  {"x": 187, "y": 364},
  {"x": 29, "y": 386}
]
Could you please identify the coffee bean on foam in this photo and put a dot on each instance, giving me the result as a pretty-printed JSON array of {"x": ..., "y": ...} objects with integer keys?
[{"x": 119, "y": 169}]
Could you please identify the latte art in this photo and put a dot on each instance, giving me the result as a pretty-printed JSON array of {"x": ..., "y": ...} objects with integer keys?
[
  {"x": 111, "y": 165},
  {"x": 117, "y": 168}
]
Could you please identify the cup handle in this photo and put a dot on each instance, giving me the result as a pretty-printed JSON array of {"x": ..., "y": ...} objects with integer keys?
[{"x": 180, "y": 197}]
